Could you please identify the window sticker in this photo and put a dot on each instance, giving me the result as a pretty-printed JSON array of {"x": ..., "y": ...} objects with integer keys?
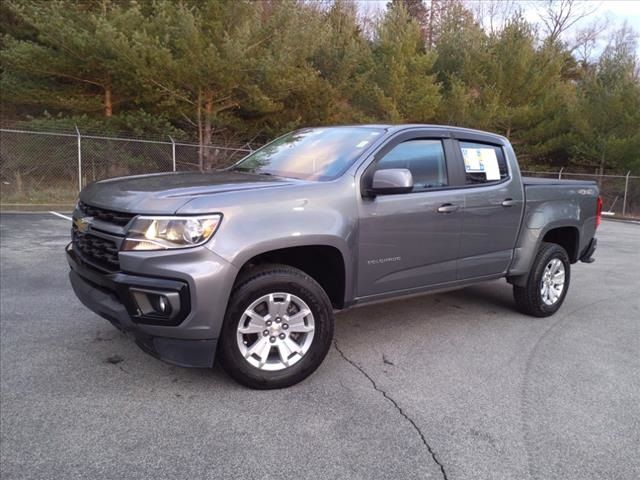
[
  {"x": 481, "y": 160},
  {"x": 362, "y": 144}
]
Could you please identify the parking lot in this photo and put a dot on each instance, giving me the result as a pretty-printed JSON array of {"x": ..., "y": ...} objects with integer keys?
[{"x": 455, "y": 385}]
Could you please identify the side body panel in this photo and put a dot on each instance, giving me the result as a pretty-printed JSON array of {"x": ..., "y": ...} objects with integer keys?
[
  {"x": 550, "y": 206},
  {"x": 405, "y": 244}
]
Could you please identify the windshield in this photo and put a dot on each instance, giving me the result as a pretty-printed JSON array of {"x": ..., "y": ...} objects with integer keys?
[{"x": 311, "y": 153}]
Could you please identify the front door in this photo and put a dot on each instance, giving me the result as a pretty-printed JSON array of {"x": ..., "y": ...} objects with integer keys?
[{"x": 411, "y": 240}]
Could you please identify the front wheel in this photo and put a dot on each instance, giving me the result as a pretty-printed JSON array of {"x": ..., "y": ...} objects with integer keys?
[
  {"x": 547, "y": 283},
  {"x": 278, "y": 328}
]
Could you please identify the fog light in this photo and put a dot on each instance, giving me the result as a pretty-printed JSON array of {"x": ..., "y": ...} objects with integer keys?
[
  {"x": 162, "y": 303},
  {"x": 153, "y": 304}
]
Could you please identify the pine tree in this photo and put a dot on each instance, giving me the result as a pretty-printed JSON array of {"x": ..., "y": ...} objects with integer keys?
[
  {"x": 404, "y": 88},
  {"x": 71, "y": 61},
  {"x": 344, "y": 61},
  {"x": 607, "y": 111}
]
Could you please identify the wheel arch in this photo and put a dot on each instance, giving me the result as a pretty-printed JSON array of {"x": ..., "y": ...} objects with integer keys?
[
  {"x": 568, "y": 237},
  {"x": 322, "y": 262}
]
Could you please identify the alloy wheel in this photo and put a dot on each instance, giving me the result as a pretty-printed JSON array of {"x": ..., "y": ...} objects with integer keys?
[
  {"x": 275, "y": 331},
  {"x": 552, "y": 283}
]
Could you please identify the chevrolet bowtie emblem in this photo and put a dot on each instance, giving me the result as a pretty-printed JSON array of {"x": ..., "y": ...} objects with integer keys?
[{"x": 82, "y": 224}]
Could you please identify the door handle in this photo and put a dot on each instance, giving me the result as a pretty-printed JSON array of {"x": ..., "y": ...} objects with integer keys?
[
  {"x": 447, "y": 208},
  {"x": 509, "y": 202}
]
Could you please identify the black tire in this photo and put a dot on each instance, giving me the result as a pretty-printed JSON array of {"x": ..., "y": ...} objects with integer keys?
[
  {"x": 263, "y": 280},
  {"x": 529, "y": 298}
]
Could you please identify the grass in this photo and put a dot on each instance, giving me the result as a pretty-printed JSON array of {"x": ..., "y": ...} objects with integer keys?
[{"x": 42, "y": 195}]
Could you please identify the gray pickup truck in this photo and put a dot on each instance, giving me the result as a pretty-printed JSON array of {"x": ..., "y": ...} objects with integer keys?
[{"x": 250, "y": 263}]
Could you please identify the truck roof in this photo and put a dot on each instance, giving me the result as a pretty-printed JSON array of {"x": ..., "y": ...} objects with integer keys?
[{"x": 450, "y": 128}]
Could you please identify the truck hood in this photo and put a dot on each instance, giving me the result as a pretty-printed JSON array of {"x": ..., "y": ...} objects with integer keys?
[{"x": 165, "y": 193}]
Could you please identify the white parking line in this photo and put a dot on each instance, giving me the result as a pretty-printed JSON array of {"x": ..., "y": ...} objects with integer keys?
[{"x": 61, "y": 216}]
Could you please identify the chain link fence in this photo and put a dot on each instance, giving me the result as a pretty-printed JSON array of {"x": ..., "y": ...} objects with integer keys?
[{"x": 50, "y": 168}]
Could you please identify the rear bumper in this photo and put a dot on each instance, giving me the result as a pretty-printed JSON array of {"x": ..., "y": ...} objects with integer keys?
[{"x": 202, "y": 282}]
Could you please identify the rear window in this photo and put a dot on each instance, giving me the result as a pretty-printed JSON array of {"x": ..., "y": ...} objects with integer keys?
[{"x": 483, "y": 163}]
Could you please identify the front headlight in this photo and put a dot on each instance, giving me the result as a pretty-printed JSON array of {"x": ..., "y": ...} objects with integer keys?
[{"x": 163, "y": 233}]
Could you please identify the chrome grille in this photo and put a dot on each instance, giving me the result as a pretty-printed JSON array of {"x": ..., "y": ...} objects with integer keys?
[
  {"x": 97, "y": 251},
  {"x": 94, "y": 247},
  {"x": 107, "y": 216}
]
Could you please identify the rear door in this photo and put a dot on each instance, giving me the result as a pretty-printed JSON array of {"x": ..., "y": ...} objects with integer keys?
[
  {"x": 493, "y": 203},
  {"x": 407, "y": 240}
]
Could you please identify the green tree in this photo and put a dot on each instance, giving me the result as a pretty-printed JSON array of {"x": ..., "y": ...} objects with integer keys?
[
  {"x": 344, "y": 61},
  {"x": 224, "y": 64},
  {"x": 240, "y": 70},
  {"x": 404, "y": 88},
  {"x": 71, "y": 63},
  {"x": 607, "y": 111},
  {"x": 462, "y": 54}
]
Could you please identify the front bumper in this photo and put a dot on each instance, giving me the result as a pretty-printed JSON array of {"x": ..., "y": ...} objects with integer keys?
[{"x": 200, "y": 279}]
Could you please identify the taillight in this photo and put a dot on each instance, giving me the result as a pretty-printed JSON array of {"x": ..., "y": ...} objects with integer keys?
[{"x": 599, "y": 212}]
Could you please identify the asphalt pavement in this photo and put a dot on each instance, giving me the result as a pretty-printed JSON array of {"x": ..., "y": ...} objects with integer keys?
[{"x": 447, "y": 386}]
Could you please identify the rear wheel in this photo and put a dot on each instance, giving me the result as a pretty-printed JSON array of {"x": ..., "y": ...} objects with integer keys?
[
  {"x": 278, "y": 328},
  {"x": 547, "y": 283}
]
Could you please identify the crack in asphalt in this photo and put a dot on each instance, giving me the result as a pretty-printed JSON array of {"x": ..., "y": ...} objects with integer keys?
[{"x": 397, "y": 407}]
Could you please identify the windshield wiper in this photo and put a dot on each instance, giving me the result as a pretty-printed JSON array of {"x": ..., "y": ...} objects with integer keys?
[{"x": 249, "y": 170}]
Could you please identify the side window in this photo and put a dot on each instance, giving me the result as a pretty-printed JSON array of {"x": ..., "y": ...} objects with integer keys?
[
  {"x": 425, "y": 160},
  {"x": 483, "y": 163}
]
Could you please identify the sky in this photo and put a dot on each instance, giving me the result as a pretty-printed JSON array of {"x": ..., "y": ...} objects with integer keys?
[
  {"x": 621, "y": 10},
  {"x": 617, "y": 11}
]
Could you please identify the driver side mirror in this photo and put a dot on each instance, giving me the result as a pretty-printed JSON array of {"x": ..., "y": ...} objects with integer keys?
[{"x": 390, "y": 181}]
